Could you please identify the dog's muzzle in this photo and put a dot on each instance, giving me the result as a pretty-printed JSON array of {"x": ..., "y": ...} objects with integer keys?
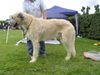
[{"x": 11, "y": 22}]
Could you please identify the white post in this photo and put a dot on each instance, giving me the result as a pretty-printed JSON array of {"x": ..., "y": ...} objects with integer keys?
[{"x": 7, "y": 34}]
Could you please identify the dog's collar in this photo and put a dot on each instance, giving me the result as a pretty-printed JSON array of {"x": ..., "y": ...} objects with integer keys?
[{"x": 29, "y": 24}]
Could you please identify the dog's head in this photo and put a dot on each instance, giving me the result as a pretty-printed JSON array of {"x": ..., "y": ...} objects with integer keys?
[
  {"x": 16, "y": 18},
  {"x": 20, "y": 20}
]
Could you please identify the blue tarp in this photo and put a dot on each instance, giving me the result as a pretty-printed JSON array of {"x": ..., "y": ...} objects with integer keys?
[
  {"x": 57, "y": 12},
  {"x": 56, "y": 15}
]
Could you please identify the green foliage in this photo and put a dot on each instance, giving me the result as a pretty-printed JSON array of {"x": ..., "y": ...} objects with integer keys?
[
  {"x": 85, "y": 10},
  {"x": 89, "y": 26},
  {"x": 14, "y": 60},
  {"x": 97, "y": 9},
  {"x": 2, "y": 22}
]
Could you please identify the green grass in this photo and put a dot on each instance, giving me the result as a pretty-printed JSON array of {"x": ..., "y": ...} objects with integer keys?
[{"x": 14, "y": 60}]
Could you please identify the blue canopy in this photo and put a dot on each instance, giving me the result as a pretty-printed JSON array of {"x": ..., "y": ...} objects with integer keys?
[
  {"x": 60, "y": 10},
  {"x": 56, "y": 15}
]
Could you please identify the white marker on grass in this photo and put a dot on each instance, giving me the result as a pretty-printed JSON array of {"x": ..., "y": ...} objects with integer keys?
[{"x": 7, "y": 36}]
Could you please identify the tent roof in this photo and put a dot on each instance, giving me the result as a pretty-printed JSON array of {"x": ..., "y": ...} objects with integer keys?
[
  {"x": 60, "y": 10},
  {"x": 57, "y": 16}
]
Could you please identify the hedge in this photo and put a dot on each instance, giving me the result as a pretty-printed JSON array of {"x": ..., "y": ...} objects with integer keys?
[{"x": 89, "y": 25}]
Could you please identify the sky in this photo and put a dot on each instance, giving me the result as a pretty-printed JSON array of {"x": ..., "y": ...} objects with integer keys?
[{"x": 8, "y": 7}]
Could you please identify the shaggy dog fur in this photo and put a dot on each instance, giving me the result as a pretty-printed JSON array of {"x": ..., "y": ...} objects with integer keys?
[{"x": 41, "y": 29}]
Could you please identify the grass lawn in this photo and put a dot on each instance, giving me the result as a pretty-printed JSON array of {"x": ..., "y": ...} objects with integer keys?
[{"x": 14, "y": 60}]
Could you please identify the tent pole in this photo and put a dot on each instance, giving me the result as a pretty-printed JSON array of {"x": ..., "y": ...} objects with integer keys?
[{"x": 76, "y": 24}]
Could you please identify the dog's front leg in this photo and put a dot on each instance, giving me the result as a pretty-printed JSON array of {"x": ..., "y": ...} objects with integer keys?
[{"x": 35, "y": 50}]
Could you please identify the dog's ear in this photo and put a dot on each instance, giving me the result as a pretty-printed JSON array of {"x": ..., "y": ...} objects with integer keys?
[{"x": 21, "y": 16}]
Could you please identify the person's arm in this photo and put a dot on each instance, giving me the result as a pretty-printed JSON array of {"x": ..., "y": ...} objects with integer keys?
[
  {"x": 45, "y": 14},
  {"x": 25, "y": 7},
  {"x": 43, "y": 9}
]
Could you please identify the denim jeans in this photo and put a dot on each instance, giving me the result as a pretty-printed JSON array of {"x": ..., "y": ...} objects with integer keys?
[{"x": 30, "y": 47}]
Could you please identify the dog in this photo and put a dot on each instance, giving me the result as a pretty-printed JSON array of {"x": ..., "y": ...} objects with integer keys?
[{"x": 37, "y": 29}]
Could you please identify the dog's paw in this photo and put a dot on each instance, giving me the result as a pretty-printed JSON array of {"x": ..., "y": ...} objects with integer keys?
[
  {"x": 32, "y": 60},
  {"x": 67, "y": 58},
  {"x": 17, "y": 44}
]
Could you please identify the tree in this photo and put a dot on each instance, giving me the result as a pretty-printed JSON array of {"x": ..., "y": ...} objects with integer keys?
[
  {"x": 83, "y": 10},
  {"x": 87, "y": 10},
  {"x": 97, "y": 9}
]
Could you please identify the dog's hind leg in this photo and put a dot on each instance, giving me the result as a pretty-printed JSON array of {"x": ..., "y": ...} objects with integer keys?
[
  {"x": 72, "y": 45},
  {"x": 68, "y": 41},
  {"x": 35, "y": 51}
]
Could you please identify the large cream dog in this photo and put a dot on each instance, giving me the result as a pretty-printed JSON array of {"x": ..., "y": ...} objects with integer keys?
[{"x": 41, "y": 29}]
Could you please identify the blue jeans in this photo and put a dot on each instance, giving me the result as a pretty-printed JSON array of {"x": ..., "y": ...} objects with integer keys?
[{"x": 30, "y": 47}]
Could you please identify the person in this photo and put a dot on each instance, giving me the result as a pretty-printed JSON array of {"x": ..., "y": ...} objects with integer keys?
[{"x": 37, "y": 9}]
